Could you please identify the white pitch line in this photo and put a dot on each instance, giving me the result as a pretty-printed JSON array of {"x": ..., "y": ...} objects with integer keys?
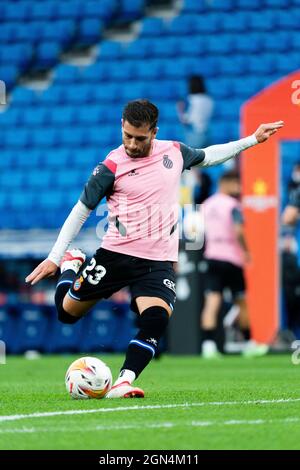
[
  {"x": 145, "y": 407},
  {"x": 166, "y": 425}
]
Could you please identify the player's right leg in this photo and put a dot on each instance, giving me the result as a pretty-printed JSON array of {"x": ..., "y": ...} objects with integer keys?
[
  {"x": 70, "y": 310},
  {"x": 209, "y": 317}
]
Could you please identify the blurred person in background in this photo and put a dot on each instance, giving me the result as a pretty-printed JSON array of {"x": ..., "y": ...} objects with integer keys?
[
  {"x": 226, "y": 252},
  {"x": 294, "y": 182},
  {"x": 196, "y": 117},
  {"x": 195, "y": 114}
]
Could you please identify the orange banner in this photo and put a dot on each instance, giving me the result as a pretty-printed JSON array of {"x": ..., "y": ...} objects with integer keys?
[{"x": 261, "y": 199}]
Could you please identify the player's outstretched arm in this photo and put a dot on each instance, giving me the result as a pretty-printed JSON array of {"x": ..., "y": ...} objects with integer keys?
[
  {"x": 70, "y": 229},
  {"x": 217, "y": 154},
  {"x": 45, "y": 269}
]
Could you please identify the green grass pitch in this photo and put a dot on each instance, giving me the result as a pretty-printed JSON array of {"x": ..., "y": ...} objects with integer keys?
[{"x": 235, "y": 403}]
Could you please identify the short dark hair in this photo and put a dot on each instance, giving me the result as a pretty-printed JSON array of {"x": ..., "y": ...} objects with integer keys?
[
  {"x": 196, "y": 84},
  {"x": 139, "y": 112},
  {"x": 229, "y": 176}
]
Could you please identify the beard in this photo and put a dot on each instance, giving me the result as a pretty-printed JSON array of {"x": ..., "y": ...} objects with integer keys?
[{"x": 144, "y": 152}]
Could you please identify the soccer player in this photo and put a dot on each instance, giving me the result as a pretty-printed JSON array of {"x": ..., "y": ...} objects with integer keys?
[
  {"x": 226, "y": 253},
  {"x": 140, "y": 180},
  {"x": 290, "y": 214}
]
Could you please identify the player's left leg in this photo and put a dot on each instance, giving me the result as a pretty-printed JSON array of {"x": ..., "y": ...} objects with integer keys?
[
  {"x": 153, "y": 320},
  {"x": 70, "y": 310}
]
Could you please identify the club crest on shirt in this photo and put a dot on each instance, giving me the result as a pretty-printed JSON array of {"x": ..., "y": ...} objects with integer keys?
[
  {"x": 96, "y": 170},
  {"x": 77, "y": 283},
  {"x": 167, "y": 162}
]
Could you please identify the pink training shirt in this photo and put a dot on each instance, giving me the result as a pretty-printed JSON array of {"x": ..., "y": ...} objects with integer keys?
[
  {"x": 220, "y": 238},
  {"x": 143, "y": 206}
]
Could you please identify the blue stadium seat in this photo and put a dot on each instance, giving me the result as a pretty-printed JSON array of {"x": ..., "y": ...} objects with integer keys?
[
  {"x": 262, "y": 22},
  {"x": 194, "y": 6},
  {"x": 39, "y": 178},
  {"x": 210, "y": 23},
  {"x": 111, "y": 50},
  {"x": 19, "y": 54},
  {"x": 225, "y": 46},
  {"x": 220, "y": 5},
  {"x": 247, "y": 87},
  {"x": 23, "y": 96},
  {"x": 100, "y": 328},
  {"x": 77, "y": 93},
  {"x": 17, "y": 137},
  {"x": 183, "y": 25},
  {"x": 90, "y": 31},
  {"x": 64, "y": 115},
  {"x": 261, "y": 64},
  {"x": 47, "y": 54},
  {"x": 62, "y": 337},
  {"x": 131, "y": 90},
  {"x": 91, "y": 115},
  {"x": 220, "y": 88},
  {"x": 57, "y": 159},
  {"x": 130, "y": 11},
  {"x": 35, "y": 116},
  {"x": 68, "y": 138},
  {"x": 249, "y": 4},
  {"x": 106, "y": 93},
  {"x": 50, "y": 199},
  {"x": 67, "y": 74},
  {"x": 155, "y": 69},
  {"x": 235, "y": 22},
  {"x": 31, "y": 328},
  {"x": 139, "y": 48},
  {"x": 153, "y": 27},
  {"x": 103, "y": 137},
  {"x": 276, "y": 3},
  {"x": 296, "y": 41},
  {"x": 125, "y": 328},
  {"x": 20, "y": 14},
  {"x": 43, "y": 137},
  {"x": 286, "y": 63},
  {"x": 46, "y": 10},
  {"x": 195, "y": 48},
  {"x": 95, "y": 73},
  {"x": 166, "y": 48},
  {"x": 29, "y": 159},
  {"x": 10, "y": 118},
  {"x": 8, "y": 323},
  {"x": 250, "y": 43},
  {"x": 61, "y": 31},
  {"x": 71, "y": 9},
  {"x": 288, "y": 20},
  {"x": 12, "y": 178},
  {"x": 31, "y": 31},
  {"x": 18, "y": 201},
  {"x": 236, "y": 67},
  {"x": 9, "y": 75},
  {"x": 122, "y": 70},
  {"x": 279, "y": 42}
]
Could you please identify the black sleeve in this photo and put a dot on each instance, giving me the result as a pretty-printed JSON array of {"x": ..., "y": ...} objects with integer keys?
[
  {"x": 191, "y": 157},
  {"x": 237, "y": 216},
  {"x": 100, "y": 184},
  {"x": 294, "y": 199}
]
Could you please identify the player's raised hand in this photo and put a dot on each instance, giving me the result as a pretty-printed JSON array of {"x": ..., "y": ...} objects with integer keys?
[
  {"x": 266, "y": 130},
  {"x": 45, "y": 269}
]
